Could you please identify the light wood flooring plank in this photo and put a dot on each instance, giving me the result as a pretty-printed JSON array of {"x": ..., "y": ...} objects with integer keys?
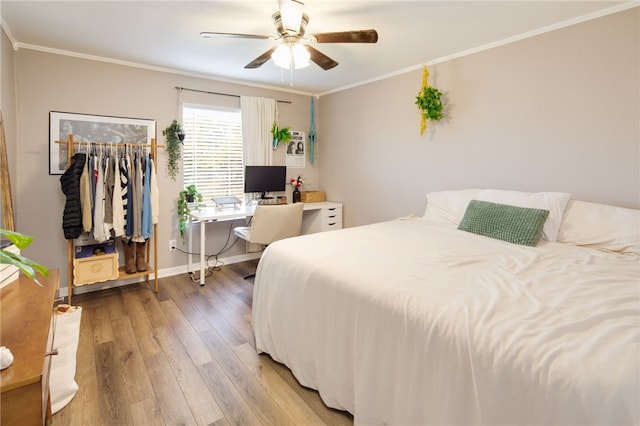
[
  {"x": 112, "y": 401},
  {"x": 195, "y": 348},
  {"x": 146, "y": 412},
  {"x": 101, "y": 324},
  {"x": 140, "y": 324},
  {"x": 129, "y": 362},
  {"x": 277, "y": 387},
  {"x": 311, "y": 397},
  {"x": 172, "y": 402},
  {"x": 235, "y": 408},
  {"x": 152, "y": 309},
  {"x": 260, "y": 402},
  {"x": 203, "y": 407}
]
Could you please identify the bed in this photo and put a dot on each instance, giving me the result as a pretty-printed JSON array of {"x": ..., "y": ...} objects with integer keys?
[{"x": 414, "y": 321}]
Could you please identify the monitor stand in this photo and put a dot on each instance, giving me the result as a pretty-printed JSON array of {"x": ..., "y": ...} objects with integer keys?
[{"x": 264, "y": 196}]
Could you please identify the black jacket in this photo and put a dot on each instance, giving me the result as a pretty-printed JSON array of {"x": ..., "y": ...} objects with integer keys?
[{"x": 70, "y": 183}]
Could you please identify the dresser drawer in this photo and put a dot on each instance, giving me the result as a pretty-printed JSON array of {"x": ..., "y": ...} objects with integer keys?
[
  {"x": 329, "y": 226},
  {"x": 332, "y": 212},
  {"x": 331, "y": 215}
]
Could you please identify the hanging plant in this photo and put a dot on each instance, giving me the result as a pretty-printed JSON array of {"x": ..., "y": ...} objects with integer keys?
[
  {"x": 429, "y": 102},
  {"x": 174, "y": 137},
  {"x": 188, "y": 199},
  {"x": 280, "y": 135}
]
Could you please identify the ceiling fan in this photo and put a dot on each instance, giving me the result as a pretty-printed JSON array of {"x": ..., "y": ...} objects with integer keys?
[{"x": 294, "y": 49}]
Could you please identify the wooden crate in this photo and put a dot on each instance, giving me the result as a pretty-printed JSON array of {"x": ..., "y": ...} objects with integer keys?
[
  {"x": 311, "y": 196},
  {"x": 94, "y": 269}
]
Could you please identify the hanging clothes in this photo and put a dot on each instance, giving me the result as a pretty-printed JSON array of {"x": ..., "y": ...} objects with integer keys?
[
  {"x": 98, "y": 212},
  {"x": 129, "y": 173},
  {"x": 136, "y": 185},
  {"x": 117, "y": 207},
  {"x": 114, "y": 194},
  {"x": 70, "y": 184},
  {"x": 85, "y": 198},
  {"x": 108, "y": 195},
  {"x": 93, "y": 178},
  {"x": 147, "y": 225}
]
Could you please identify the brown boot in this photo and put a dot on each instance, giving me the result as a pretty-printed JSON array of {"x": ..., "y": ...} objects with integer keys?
[
  {"x": 141, "y": 263},
  {"x": 129, "y": 261}
]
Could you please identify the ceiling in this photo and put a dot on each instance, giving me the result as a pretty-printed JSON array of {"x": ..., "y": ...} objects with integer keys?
[{"x": 165, "y": 34}]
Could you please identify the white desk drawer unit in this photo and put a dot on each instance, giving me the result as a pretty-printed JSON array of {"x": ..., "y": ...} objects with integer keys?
[
  {"x": 331, "y": 218},
  {"x": 322, "y": 216}
]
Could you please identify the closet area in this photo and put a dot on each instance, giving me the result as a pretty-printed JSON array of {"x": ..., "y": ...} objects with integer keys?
[{"x": 111, "y": 205}]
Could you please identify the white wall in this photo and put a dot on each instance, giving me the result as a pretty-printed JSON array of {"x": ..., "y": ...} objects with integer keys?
[{"x": 556, "y": 112}]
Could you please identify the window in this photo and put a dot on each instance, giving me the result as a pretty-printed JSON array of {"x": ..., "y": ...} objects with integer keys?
[{"x": 212, "y": 153}]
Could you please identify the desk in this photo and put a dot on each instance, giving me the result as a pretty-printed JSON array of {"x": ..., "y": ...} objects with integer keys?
[{"x": 317, "y": 217}]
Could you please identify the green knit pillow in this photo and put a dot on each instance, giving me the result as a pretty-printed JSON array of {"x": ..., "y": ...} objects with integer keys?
[{"x": 517, "y": 225}]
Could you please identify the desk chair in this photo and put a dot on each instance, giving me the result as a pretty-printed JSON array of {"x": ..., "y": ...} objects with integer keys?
[{"x": 271, "y": 223}]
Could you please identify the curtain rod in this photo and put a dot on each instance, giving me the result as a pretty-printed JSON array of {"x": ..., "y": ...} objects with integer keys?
[{"x": 221, "y": 94}]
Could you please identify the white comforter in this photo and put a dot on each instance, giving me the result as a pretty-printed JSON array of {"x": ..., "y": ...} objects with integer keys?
[{"x": 404, "y": 322}]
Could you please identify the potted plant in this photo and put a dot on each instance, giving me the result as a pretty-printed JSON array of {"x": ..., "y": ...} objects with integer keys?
[
  {"x": 188, "y": 199},
  {"x": 430, "y": 104},
  {"x": 27, "y": 266},
  {"x": 429, "y": 101},
  {"x": 280, "y": 135},
  {"x": 174, "y": 137}
]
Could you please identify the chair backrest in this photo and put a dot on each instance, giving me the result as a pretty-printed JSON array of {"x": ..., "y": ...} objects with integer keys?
[{"x": 275, "y": 222}]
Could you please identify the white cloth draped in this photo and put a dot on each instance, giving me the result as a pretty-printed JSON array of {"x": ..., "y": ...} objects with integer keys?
[{"x": 258, "y": 115}]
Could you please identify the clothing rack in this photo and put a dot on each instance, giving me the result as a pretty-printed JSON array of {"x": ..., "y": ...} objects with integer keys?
[{"x": 70, "y": 244}]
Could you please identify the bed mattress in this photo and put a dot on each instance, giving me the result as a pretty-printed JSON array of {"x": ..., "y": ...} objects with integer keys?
[{"x": 406, "y": 322}]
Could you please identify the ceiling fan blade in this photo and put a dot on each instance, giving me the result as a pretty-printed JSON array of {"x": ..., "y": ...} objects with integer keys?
[
  {"x": 325, "y": 62},
  {"x": 358, "y": 36},
  {"x": 260, "y": 60},
  {"x": 209, "y": 34}
]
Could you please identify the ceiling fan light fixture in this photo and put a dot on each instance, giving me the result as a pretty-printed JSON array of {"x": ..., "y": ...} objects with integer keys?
[
  {"x": 300, "y": 55},
  {"x": 286, "y": 54},
  {"x": 291, "y": 13}
]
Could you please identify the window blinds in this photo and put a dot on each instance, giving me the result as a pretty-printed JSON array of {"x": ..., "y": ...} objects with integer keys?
[{"x": 212, "y": 154}]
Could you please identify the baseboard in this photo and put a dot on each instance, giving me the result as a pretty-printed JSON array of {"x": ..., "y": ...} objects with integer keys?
[{"x": 166, "y": 272}]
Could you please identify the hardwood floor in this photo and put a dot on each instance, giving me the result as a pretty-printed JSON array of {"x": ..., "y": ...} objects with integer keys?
[{"x": 184, "y": 356}]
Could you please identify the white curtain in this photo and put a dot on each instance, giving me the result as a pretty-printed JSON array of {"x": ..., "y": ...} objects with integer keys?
[{"x": 258, "y": 115}]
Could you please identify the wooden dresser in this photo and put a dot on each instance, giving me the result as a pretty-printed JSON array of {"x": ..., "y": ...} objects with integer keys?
[{"x": 27, "y": 326}]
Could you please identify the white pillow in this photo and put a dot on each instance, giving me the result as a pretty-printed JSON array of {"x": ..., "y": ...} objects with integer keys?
[
  {"x": 601, "y": 226},
  {"x": 446, "y": 208},
  {"x": 555, "y": 202}
]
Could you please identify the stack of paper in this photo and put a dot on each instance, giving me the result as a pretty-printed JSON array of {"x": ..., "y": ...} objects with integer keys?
[{"x": 8, "y": 273}]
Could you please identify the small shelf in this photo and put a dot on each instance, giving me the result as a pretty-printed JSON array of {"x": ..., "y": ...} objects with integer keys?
[{"x": 122, "y": 274}]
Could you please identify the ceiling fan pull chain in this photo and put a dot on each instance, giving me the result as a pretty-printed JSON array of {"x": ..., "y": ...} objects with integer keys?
[{"x": 291, "y": 66}]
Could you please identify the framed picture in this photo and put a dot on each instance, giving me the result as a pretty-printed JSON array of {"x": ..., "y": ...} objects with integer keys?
[
  {"x": 93, "y": 128},
  {"x": 295, "y": 150}
]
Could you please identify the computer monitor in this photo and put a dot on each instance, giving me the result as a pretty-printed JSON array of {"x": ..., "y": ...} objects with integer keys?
[{"x": 264, "y": 179}]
